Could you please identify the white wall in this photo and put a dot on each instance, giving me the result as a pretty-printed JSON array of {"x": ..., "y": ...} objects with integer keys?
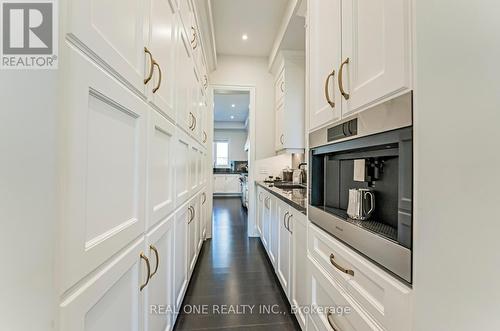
[
  {"x": 237, "y": 139},
  {"x": 28, "y": 189},
  {"x": 252, "y": 71},
  {"x": 272, "y": 166},
  {"x": 457, "y": 140}
]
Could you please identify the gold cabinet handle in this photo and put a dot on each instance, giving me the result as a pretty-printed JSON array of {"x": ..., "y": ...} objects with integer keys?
[
  {"x": 282, "y": 86},
  {"x": 157, "y": 256},
  {"x": 338, "y": 266},
  {"x": 194, "y": 123},
  {"x": 327, "y": 93},
  {"x": 282, "y": 138},
  {"x": 151, "y": 66},
  {"x": 159, "y": 78},
  {"x": 190, "y": 214},
  {"x": 204, "y": 195},
  {"x": 341, "y": 85},
  {"x": 149, "y": 271},
  {"x": 284, "y": 222},
  {"x": 204, "y": 137},
  {"x": 205, "y": 84},
  {"x": 194, "y": 41},
  {"x": 192, "y": 120},
  {"x": 329, "y": 316},
  {"x": 288, "y": 223}
]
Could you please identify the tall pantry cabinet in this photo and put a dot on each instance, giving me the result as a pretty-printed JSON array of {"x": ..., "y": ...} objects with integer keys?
[{"x": 133, "y": 212}]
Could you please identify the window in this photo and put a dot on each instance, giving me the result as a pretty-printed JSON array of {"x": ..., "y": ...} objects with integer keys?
[{"x": 221, "y": 153}]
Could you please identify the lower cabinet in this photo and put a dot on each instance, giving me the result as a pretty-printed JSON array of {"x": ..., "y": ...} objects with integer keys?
[
  {"x": 284, "y": 241},
  {"x": 159, "y": 294},
  {"x": 193, "y": 233},
  {"x": 113, "y": 291},
  {"x": 227, "y": 184},
  {"x": 299, "y": 293},
  {"x": 182, "y": 218}
]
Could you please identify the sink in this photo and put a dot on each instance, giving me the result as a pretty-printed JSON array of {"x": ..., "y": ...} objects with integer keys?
[{"x": 289, "y": 186}]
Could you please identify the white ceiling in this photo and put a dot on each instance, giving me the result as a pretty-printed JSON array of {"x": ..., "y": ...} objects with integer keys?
[
  {"x": 223, "y": 110},
  {"x": 259, "y": 19}
]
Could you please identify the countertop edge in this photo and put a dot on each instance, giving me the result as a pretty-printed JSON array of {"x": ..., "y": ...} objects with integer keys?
[{"x": 292, "y": 204}]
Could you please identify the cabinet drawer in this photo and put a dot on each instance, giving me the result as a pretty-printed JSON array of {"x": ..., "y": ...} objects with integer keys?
[
  {"x": 332, "y": 309},
  {"x": 384, "y": 298}
]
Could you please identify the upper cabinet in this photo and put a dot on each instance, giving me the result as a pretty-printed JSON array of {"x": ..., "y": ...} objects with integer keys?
[
  {"x": 359, "y": 55},
  {"x": 289, "y": 102}
]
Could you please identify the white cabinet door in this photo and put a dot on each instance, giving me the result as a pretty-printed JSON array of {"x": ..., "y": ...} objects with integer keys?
[
  {"x": 232, "y": 184},
  {"x": 279, "y": 87},
  {"x": 193, "y": 168},
  {"x": 274, "y": 224},
  {"x": 182, "y": 217},
  {"x": 376, "y": 39},
  {"x": 324, "y": 56},
  {"x": 184, "y": 83},
  {"x": 204, "y": 216},
  {"x": 284, "y": 245},
  {"x": 260, "y": 210},
  {"x": 299, "y": 294},
  {"x": 161, "y": 168},
  {"x": 279, "y": 139},
  {"x": 104, "y": 168},
  {"x": 111, "y": 300},
  {"x": 219, "y": 183},
  {"x": 193, "y": 234},
  {"x": 182, "y": 167},
  {"x": 159, "y": 294},
  {"x": 162, "y": 39},
  {"x": 266, "y": 220},
  {"x": 201, "y": 167},
  {"x": 113, "y": 33}
]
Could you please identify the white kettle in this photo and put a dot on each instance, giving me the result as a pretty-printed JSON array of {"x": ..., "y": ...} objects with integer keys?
[{"x": 358, "y": 204}]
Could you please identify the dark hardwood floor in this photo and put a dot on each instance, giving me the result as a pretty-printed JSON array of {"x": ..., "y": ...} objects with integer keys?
[{"x": 233, "y": 286}]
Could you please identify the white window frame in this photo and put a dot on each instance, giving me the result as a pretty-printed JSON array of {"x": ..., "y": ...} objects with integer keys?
[{"x": 228, "y": 165}]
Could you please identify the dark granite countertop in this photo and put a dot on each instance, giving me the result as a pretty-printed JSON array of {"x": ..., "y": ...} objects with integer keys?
[
  {"x": 297, "y": 197},
  {"x": 230, "y": 172}
]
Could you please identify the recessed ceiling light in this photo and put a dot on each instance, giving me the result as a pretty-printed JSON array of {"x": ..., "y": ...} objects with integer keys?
[
  {"x": 244, "y": 37},
  {"x": 232, "y": 117},
  {"x": 233, "y": 105}
]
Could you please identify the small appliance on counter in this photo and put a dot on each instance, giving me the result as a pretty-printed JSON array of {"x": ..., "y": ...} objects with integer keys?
[{"x": 287, "y": 174}]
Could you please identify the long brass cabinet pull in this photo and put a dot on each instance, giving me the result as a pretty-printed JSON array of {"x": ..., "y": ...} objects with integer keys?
[
  {"x": 151, "y": 66},
  {"x": 327, "y": 93},
  {"x": 159, "y": 78},
  {"x": 282, "y": 138},
  {"x": 338, "y": 266},
  {"x": 144, "y": 257},
  {"x": 194, "y": 42},
  {"x": 288, "y": 223},
  {"x": 284, "y": 221},
  {"x": 157, "y": 256},
  {"x": 204, "y": 195},
  {"x": 204, "y": 137},
  {"x": 195, "y": 123},
  {"x": 341, "y": 82},
  {"x": 282, "y": 86},
  {"x": 330, "y": 321},
  {"x": 191, "y": 116}
]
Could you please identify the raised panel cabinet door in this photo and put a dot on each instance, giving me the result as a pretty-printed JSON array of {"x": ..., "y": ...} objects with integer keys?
[
  {"x": 159, "y": 294},
  {"x": 193, "y": 234},
  {"x": 299, "y": 293},
  {"x": 205, "y": 218},
  {"x": 162, "y": 43},
  {"x": 201, "y": 167},
  {"x": 113, "y": 34},
  {"x": 280, "y": 139},
  {"x": 324, "y": 56},
  {"x": 182, "y": 217},
  {"x": 161, "y": 168},
  {"x": 233, "y": 184},
  {"x": 376, "y": 39},
  {"x": 193, "y": 168},
  {"x": 182, "y": 167},
  {"x": 274, "y": 224},
  {"x": 284, "y": 246},
  {"x": 104, "y": 168},
  {"x": 111, "y": 299},
  {"x": 260, "y": 204},
  {"x": 266, "y": 215},
  {"x": 184, "y": 82}
]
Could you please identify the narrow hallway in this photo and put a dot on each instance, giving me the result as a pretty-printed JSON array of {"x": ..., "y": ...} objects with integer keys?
[{"x": 234, "y": 282}]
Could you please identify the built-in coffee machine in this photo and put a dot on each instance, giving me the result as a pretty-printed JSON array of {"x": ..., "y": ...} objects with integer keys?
[{"x": 361, "y": 188}]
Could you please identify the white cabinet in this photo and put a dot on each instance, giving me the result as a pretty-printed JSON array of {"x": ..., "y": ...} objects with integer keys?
[
  {"x": 299, "y": 293},
  {"x": 162, "y": 45},
  {"x": 205, "y": 217},
  {"x": 266, "y": 220},
  {"x": 182, "y": 167},
  {"x": 283, "y": 266},
  {"x": 159, "y": 294},
  {"x": 227, "y": 184},
  {"x": 182, "y": 217},
  {"x": 185, "y": 83},
  {"x": 274, "y": 225},
  {"x": 161, "y": 156},
  {"x": 193, "y": 233},
  {"x": 323, "y": 56},
  {"x": 359, "y": 55},
  {"x": 260, "y": 210},
  {"x": 112, "y": 299},
  {"x": 289, "y": 102},
  {"x": 194, "y": 173},
  {"x": 104, "y": 160},
  {"x": 374, "y": 292}
]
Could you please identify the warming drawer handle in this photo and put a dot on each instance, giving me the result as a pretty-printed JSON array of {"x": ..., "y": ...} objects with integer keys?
[
  {"x": 338, "y": 266},
  {"x": 329, "y": 316}
]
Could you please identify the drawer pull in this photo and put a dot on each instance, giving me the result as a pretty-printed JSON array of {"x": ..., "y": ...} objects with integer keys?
[
  {"x": 151, "y": 66},
  {"x": 341, "y": 81},
  {"x": 284, "y": 221},
  {"x": 148, "y": 267},
  {"x": 327, "y": 94},
  {"x": 330, "y": 321},
  {"x": 336, "y": 265},
  {"x": 153, "y": 248},
  {"x": 159, "y": 78}
]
